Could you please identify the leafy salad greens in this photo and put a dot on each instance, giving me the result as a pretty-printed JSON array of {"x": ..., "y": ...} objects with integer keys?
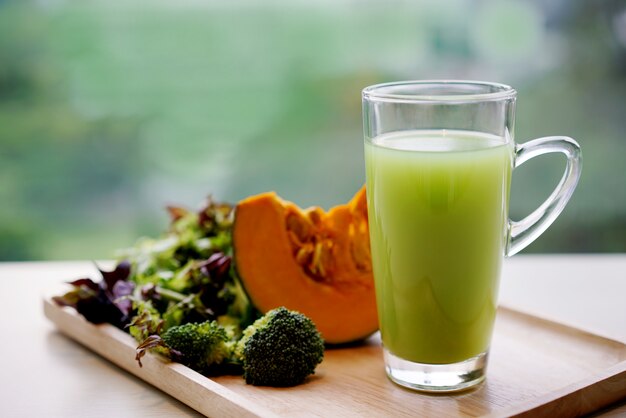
[
  {"x": 185, "y": 276},
  {"x": 179, "y": 295}
]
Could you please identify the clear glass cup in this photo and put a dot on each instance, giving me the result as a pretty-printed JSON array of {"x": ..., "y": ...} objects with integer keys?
[{"x": 439, "y": 157}]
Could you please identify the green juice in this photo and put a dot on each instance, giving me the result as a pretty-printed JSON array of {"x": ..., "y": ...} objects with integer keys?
[{"x": 438, "y": 207}]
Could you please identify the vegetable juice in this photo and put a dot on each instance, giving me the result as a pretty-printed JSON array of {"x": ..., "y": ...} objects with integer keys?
[{"x": 438, "y": 207}]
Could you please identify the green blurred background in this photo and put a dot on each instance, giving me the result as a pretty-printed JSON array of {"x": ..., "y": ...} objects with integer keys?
[{"x": 110, "y": 110}]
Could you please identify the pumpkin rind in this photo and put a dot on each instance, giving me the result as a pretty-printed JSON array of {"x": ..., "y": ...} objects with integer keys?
[{"x": 312, "y": 261}]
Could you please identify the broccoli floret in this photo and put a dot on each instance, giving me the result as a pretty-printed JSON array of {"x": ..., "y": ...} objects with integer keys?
[
  {"x": 200, "y": 345},
  {"x": 196, "y": 345},
  {"x": 281, "y": 348}
]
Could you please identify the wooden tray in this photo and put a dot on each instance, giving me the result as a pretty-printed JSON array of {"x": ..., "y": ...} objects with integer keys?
[{"x": 536, "y": 368}]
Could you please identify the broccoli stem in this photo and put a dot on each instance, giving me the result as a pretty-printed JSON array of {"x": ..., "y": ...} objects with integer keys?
[{"x": 170, "y": 295}]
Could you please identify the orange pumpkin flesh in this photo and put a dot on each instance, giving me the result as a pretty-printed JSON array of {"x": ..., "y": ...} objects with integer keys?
[{"x": 312, "y": 261}]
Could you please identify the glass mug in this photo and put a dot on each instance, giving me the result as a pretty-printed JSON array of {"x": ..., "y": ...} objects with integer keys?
[{"x": 439, "y": 157}]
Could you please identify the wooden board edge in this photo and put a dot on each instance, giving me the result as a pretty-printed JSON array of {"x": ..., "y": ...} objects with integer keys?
[
  {"x": 582, "y": 397},
  {"x": 199, "y": 392},
  {"x": 578, "y": 399}
]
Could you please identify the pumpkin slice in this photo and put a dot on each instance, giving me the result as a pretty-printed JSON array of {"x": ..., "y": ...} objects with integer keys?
[{"x": 312, "y": 261}]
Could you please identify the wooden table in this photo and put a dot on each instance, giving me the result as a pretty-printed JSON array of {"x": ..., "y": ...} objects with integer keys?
[{"x": 47, "y": 374}]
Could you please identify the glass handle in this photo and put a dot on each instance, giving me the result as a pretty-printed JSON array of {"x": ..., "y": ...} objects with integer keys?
[{"x": 522, "y": 233}]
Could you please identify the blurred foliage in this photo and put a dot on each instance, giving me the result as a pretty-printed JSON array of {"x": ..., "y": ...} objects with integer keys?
[{"x": 111, "y": 110}]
